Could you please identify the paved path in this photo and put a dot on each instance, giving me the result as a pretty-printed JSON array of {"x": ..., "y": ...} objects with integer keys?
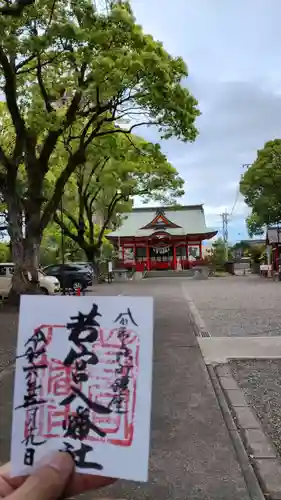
[
  {"x": 192, "y": 455},
  {"x": 238, "y": 306},
  {"x": 219, "y": 350}
]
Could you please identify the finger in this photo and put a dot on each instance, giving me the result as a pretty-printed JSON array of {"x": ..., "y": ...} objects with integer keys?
[
  {"x": 46, "y": 483},
  {"x": 5, "y": 488},
  {"x": 14, "y": 482},
  {"x": 80, "y": 483}
]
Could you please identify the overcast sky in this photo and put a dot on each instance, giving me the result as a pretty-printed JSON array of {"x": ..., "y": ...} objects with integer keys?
[{"x": 233, "y": 52}]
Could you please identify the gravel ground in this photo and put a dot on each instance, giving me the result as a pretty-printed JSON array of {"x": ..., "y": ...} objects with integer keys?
[
  {"x": 238, "y": 306},
  {"x": 261, "y": 384}
]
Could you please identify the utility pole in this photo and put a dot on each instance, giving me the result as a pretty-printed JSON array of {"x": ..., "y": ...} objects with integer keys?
[{"x": 225, "y": 220}]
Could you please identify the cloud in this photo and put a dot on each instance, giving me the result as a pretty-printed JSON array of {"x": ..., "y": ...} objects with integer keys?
[
  {"x": 234, "y": 71},
  {"x": 241, "y": 117}
]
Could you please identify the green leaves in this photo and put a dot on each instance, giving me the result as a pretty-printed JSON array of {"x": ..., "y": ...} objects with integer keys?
[
  {"x": 261, "y": 187},
  {"x": 4, "y": 252},
  {"x": 106, "y": 186},
  {"x": 217, "y": 254},
  {"x": 80, "y": 49},
  {"x": 74, "y": 80},
  {"x": 255, "y": 225}
]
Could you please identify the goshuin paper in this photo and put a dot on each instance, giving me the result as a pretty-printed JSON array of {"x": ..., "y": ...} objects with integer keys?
[{"x": 83, "y": 384}]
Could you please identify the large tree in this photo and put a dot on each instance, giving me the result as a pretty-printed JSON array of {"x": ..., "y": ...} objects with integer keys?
[
  {"x": 69, "y": 76},
  {"x": 106, "y": 187},
  {"x": 261, "y": 187}
]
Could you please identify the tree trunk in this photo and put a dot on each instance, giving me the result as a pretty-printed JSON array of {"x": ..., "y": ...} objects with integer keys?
[
  {"x": 25, "y": 251},
  {"x": 25, "y": 280}
]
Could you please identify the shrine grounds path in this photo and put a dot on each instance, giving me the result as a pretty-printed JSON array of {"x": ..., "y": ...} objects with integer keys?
[
  {"x": 238, "y": 306},
  {"x": 191, "y": 452}
]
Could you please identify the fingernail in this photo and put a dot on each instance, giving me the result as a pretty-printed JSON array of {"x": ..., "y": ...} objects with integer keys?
[{"x": 62, "y": 462}]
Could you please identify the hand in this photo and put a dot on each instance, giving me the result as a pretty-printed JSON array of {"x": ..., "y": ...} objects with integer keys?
[{"x": 52, "y": 481}]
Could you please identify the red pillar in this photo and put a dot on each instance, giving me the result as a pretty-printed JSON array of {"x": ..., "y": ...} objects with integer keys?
[
  {"x": 147, "y": 257},
  {"x": 174, "y": 257},
  {"x": 200, "y": 249}
]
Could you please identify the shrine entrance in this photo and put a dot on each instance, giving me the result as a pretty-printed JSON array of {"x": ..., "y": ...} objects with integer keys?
[{"x": 161, "y": 256}]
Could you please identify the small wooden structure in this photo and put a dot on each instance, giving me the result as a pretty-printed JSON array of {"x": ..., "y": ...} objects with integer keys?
[{"x": 273, "y": 242}]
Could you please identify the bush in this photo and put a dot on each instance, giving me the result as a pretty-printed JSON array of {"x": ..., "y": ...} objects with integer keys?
[{"x": 5, "y": 254}]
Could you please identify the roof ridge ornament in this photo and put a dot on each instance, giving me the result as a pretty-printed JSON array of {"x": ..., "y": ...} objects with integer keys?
[{"x": 160, "y": 221}]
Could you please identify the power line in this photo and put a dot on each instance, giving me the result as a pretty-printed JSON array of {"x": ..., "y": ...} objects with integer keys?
[{"x": 235, "y": 201}]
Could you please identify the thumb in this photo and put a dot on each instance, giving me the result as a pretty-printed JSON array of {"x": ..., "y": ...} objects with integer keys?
[{"x": 47, "y": 483}]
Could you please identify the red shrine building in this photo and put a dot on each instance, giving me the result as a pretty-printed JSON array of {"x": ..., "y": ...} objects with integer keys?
[{"x": 161, "y": 238}]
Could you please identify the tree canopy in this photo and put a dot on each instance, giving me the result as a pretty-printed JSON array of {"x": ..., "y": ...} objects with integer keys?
[
  {"x": 217, "y": 254},
  {"x": 261, "y": 187},
  {"x": 70, "y": 76},
  {"x": 255, "y": 225},
  {"x": 107, "y": 184}
]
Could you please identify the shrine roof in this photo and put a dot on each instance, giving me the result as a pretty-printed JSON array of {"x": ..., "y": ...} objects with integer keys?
[{"x": 145, "y": 221}]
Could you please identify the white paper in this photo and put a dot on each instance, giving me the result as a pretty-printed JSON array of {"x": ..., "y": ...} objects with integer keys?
[{"x": 115, "y": 435}]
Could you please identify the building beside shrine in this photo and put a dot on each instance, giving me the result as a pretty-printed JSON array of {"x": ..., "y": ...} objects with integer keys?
[{"x": 161, "y": 238}]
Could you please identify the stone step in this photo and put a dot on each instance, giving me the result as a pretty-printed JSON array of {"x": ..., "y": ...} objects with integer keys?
[
  {"x": 169, "y": 273},
  {"x": 217, "y": 350},
  {"x": 138, "y": 276}
]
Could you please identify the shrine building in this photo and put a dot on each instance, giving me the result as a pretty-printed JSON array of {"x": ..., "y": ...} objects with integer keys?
[{"x": 161, "y": 238}]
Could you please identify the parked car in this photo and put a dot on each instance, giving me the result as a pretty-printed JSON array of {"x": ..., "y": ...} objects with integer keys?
[
  {"x": 71, "y": 275},
  {"x": 49, "y": 285},
  {"x": 87, "y": 265}
]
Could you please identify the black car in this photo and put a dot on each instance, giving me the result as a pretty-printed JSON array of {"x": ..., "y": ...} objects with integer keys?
[
  {"x": 71, "y": 275},
  {"x": 87, "y": 265}
]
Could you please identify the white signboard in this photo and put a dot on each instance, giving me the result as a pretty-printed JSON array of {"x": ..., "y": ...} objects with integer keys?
[
  {"x": 265, "y": 267},
  {"x": 161, "y": 250},
  {"x": 83, "y": 383},
  {"x": 129, "y": 254},
  {"x": 193, "y": 252}
]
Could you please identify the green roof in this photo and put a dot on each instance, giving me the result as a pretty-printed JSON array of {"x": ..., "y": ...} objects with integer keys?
[{"x": 190, "y": 218}]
